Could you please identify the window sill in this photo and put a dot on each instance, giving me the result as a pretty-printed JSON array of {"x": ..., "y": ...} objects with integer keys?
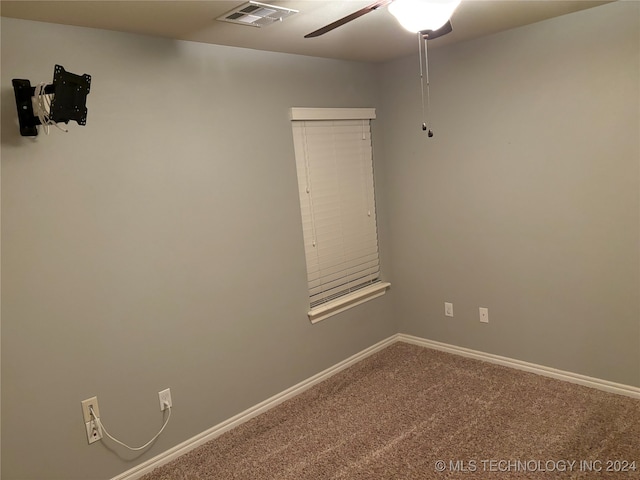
[{"x": 348, "y": 301}]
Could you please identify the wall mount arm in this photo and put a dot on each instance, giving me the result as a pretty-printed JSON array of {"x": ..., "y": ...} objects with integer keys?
[{"x": 69, "y": 93}]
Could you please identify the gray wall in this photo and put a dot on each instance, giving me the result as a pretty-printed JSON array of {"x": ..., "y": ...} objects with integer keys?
[
  {"x": 130, "y": 245},
  {"x": 159, "y": 246},
  {"x": 526, "y": 200}
]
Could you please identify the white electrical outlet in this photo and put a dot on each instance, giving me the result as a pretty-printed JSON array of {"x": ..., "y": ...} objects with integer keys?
[
  {"x": 484, "y": 315},
  {"x": 165, "y": 399},
  {"x": 448, "y": 309},
  {"x": 94, "y": 432},
  {"x": 87, "y": 405}
]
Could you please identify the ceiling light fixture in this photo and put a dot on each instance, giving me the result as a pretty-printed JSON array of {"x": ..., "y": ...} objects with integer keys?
[
  {"x": 419, "y": 15},
  {"x": 429, "y": 19}
]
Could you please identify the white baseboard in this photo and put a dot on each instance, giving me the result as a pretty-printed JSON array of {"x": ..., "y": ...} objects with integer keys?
[
  {"x": 194, "y": 442},
  {"x": 591, "y": 382}
]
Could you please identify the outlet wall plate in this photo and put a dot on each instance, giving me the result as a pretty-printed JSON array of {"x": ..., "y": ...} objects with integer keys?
[
  {"x": 448, "y": 309},
  {"x": 165, "y": 398},
  {"x": 86, "y": 405}
]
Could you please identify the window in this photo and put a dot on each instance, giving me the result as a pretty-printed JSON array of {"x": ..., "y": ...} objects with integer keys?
[{"x": 335, "y": 178}]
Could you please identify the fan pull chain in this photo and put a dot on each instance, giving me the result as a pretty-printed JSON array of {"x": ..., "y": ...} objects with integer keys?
[
  {"x": 424, "y": 125},
  {"x": 426, "y": 62}
]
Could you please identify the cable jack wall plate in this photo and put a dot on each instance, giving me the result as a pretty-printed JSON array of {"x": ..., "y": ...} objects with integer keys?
[{"x": 94, "y": 432}]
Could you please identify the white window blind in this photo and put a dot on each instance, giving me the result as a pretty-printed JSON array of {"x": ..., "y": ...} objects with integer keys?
[{"x": 335, "y": 178}]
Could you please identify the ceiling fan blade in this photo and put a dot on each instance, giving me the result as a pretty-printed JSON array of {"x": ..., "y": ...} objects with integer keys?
[
  {"x": 348, "y": 18},
  {"x": 443, "y": 30}
]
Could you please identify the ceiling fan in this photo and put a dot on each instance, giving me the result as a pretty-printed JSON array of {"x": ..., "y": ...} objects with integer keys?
[
  {"x": 430, "y": 19},
  {"x": 428, "y": 16}
]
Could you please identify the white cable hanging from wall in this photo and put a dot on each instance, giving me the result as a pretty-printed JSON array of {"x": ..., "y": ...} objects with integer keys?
[
  {"x": 96, "y": 429},
  {"x": 42, "y": 108}
]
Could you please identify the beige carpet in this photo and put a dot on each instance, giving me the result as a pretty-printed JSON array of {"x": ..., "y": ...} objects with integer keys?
[{"x": 401, "y": 412}]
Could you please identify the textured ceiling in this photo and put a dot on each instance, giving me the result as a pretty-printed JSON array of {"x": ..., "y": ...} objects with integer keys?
[{"x": 375, "y": 37}]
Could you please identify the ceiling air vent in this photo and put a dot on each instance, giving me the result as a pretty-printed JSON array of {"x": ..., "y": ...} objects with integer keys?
[{"x": 256, "y": 14}]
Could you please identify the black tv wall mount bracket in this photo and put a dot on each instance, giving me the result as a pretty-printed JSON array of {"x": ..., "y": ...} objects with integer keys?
[{"x": 69, "y": 95}]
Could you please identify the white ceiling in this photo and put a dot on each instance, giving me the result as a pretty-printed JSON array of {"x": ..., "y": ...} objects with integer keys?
[{"x": 375, "y": 37}]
